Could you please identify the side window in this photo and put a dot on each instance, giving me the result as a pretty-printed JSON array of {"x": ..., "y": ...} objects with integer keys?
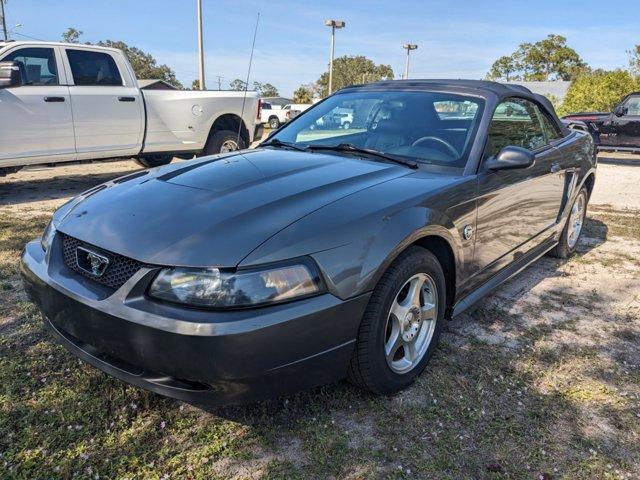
[
  {"x": 550, "y": 129},
  {"x": 37, "y": 65},
  {"x": 633, "y": 106},
  {"x": 93, "y": 68},
  {"x": 515, "y": 122}
]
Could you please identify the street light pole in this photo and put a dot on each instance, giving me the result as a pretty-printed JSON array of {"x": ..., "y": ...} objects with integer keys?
[
  {"x": 333, "y": 24},
  {"x": 4, "y": 21},
  {"x": 200, "y": 46},
  {"x": 408, "y": 47}
]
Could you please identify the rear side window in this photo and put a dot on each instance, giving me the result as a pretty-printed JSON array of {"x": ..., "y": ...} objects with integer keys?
[
  {"x": 37, "y": 65},
  {"x": 93, "y": 68},
  {"x": 516, "y": 122}
]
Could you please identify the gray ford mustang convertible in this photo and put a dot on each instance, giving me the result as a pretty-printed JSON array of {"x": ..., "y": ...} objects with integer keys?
[{"x": 335, "y": 249}]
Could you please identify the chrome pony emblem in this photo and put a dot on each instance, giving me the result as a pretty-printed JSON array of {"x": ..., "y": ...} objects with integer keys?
[{"x": 91, "y": 262}]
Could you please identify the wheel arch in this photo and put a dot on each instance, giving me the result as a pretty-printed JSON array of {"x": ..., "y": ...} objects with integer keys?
[
  {"x": 230, "y": 121},
  {"x": 589, "y": 182}
]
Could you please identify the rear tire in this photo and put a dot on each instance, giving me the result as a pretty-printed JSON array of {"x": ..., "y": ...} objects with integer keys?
[
  {"x": 151, "y": 161},
  {"x": 380, "y": 364},
  {"x": 346, "y": 125},
  {"x": 274, "y": 123},
  {"x": 9, "y": 170},
  {"x": 573, "y": 226},
  {"x": 223, "y": 141}
]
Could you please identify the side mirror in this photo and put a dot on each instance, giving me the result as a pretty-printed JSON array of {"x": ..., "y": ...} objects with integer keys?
[
  {"x": 510, "y": 158},
  {"x": 10, "y": 75},
  {"x": 620, "y": 111}
]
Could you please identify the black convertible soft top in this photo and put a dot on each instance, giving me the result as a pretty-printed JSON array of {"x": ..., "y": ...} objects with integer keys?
[{"x": 499, "y": 89}]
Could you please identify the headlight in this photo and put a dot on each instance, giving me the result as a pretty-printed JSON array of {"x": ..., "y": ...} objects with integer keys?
[
  {"x": 47, "y": 235},
  {"x": 216, "y": 288}
]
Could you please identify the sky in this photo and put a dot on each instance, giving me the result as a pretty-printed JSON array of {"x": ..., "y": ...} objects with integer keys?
[{"x": 455, "y": 38}]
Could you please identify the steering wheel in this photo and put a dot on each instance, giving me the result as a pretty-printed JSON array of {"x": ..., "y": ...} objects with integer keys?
[{"x": 451, "y": 149}]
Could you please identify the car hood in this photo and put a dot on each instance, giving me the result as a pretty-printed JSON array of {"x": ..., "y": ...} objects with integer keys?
[{"x": 214, "y": 212}]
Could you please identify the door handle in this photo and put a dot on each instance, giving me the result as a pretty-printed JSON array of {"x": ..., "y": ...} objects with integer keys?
[
  {"x": 126, "y": 99},
  {"x": 54, "y": 99},
  {"x": 555, "y": 167}
]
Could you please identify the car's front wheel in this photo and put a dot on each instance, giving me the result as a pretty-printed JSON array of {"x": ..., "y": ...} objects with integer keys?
[
  {"x": 573, "y": 227},
  {"x": 401, "y": 324}
]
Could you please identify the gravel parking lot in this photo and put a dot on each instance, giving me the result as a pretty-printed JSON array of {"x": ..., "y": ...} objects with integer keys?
[{"x": 540, "y": 381}]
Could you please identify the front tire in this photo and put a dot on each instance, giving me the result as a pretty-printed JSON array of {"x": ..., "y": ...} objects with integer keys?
[
  {"x": 223, "y": 141},
  {"x": 150, "y": 161},
  {"x": 401, "y": 324},
  {"x": 274, "y": 123},
  {"x": 573, "y": 227}
]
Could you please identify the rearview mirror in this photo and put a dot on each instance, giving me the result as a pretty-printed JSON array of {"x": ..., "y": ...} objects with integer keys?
[
  {"x": 510, "y": 158},
  {"x": 10, "y": 75},
  {"x": 620, "y": 111}
]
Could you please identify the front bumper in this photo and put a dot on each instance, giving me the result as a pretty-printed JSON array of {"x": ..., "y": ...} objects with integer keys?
[{"x": 197, "y": 356}]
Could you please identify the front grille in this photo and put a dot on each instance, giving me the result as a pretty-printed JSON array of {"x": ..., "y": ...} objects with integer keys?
[{"x": 119, "y": 270}]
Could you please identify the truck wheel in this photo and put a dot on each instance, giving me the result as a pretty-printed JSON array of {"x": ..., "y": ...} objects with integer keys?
[
  {"x": 9, "y": 170},
  {"x": 346, "y": 125},
  {"x": 150, "y": 161},
  {"x": 274, "y": 123},
  {"x": 223, "y": 141}
]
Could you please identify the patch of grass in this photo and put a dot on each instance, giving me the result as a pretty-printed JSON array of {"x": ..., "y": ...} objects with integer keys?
[{"x": 624, "y": 223}]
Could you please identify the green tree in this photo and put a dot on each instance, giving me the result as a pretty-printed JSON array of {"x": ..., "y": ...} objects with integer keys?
[
  {"x": 505, "y": 67},
  {"x": 303, "y": 94},
  {"x": 72, "y": 35},
  {"x": 349, "y": 70},
  {"x": 238, "y": 85},
  {"x": 265, "y": 89},
  {"x": 634, "y": 60},
  {"x": 195, "y": 85},
  {"x": 144, "y": 65},
  {"x": 547, "y": 59},
  {"x": 598, "y": 91}
]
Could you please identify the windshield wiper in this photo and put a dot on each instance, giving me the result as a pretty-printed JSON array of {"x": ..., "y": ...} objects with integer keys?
[
  {"x": 280, "y": 144},
  {"x": 349, "y": 147}
]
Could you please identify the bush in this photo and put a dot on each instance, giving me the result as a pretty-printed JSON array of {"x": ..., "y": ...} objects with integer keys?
[{"x": 598, "y": 91}]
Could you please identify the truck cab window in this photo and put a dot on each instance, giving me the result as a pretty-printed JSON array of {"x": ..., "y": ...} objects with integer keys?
[
  {"x": 93, "y": 68},
  {"x": 37, "y": 65},
  {"x": 633, "y": 106}
]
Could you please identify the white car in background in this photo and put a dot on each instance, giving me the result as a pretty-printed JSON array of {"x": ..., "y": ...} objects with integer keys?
[
  {"x": 63, "y": 102},
  {"x": 295, "y": 109}
]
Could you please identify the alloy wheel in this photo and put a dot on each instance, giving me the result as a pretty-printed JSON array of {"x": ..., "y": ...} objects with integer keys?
[
  {"x": 576, "y": 220},
  {"x": 411, "y": 323}
]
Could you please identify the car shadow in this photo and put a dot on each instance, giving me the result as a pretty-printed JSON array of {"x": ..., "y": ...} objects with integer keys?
[{"x": 632, "y": 160}]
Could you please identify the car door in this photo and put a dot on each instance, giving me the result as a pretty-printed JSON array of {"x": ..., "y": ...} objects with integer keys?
[
  {"x": 518, "y": 208},
  {"x": 628, "y": 125},
  {"x": 35, "y": 118},
  {"x": 106, "y": 104}
]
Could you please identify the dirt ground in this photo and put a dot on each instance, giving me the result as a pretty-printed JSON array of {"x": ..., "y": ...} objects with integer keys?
[{"x": 540, "y": 381}]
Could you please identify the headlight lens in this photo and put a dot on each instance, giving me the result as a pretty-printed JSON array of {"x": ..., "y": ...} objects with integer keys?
[
  {"x": 214, "y": 288},
  {"x": 47, "y": 235}
]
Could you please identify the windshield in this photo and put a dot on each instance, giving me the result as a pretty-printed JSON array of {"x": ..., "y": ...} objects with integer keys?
[{"x": 425, "y": 127}]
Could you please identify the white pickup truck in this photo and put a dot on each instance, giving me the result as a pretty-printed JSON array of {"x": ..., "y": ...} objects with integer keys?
[
  {"x": 272, "y": 116},
  {"x": 63, "y": 102}
]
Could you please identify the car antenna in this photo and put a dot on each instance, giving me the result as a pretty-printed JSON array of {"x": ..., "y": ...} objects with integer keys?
[{"x": 246, "y": 84}]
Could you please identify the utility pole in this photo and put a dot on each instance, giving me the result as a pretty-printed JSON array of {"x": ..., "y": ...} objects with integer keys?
[
  {"x": 408, "y": 47},
  {"x": 200, "y": 47},
  {"x": 4, "y": 21},
  {"x": 333, "y": 24},
  {"x": 219, "y": 82}
]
